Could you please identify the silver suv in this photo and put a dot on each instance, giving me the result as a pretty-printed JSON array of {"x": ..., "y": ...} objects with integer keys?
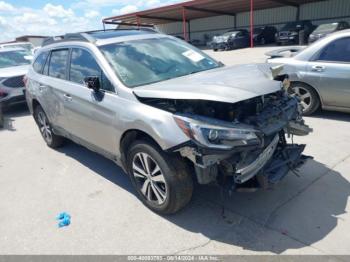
[{"x": 165, "y": 112}]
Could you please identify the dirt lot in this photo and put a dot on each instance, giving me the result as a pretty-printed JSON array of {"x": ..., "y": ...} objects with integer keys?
[{"x": 303, "y": 215}]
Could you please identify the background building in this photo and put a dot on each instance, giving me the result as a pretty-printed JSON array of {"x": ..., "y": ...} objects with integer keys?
[{"x": 202, "y": 19}]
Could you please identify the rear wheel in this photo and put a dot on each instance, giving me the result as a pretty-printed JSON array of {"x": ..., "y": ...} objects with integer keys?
[
  {"x": 308, "y": 97},
  {"x": 162, "y": 181},
  {"x": 52, "y": 140}
]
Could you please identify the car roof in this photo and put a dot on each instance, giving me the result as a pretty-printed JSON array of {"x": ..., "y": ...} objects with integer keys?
[
  {"x": 116, "y": 33},
  {"x": 17, "y": 43},
  {"x": 9, "y": 49}
]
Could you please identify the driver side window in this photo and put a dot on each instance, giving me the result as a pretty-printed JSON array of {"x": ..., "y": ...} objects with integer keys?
[{"x": 83, "y": 64}]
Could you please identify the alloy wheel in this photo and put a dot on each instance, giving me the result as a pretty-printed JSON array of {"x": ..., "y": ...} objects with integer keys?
[
  {"x": 305, "y": 97},
  {"x": 149, "y": 178},
  {"x": 44, "y": 127}
]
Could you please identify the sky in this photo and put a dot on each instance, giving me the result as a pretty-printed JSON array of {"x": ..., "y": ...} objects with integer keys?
[{"x": 56, "y": 17}]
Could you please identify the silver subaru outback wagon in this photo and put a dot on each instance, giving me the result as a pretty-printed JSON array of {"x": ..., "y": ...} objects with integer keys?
[{"x": 167, "y": 113}]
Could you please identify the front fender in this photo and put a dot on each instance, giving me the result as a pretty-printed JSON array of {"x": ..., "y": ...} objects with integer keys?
[{"x": 157, "y": 123}]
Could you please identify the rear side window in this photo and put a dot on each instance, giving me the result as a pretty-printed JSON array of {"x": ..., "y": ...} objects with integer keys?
[
  {"x": 58, "y": 63},
  {"x": 83, "y": 64},
  {"x": 40, "y": 62},
  {"x": 337, "y": 51}
]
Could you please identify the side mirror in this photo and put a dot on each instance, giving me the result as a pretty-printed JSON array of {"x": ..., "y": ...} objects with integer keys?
[{"x": 92, "y": 82}]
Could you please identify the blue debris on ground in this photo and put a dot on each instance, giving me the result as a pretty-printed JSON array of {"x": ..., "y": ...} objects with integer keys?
[{"x": 64, "y": 219}]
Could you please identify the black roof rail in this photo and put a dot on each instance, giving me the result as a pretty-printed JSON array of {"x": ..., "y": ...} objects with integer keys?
[
  {"x": 141, "y": 28},
  {"x": 87, "y": 37}
]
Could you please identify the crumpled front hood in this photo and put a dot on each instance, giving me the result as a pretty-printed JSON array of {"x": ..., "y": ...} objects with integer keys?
[
  {"x": 226, "y": 84},
  {"x": 14, "y": 71}
]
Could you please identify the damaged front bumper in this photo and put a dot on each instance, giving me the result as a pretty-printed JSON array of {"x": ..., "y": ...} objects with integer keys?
[
  {"x": 266, "y": 162},
  {"x": 273, "y": 164}
]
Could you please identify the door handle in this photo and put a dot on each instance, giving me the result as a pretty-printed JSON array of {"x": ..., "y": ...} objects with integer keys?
[
  {"x": 41, "y": 87},
  {"x": 318, "y": 68},
  {"x": 67, "y": 97}
]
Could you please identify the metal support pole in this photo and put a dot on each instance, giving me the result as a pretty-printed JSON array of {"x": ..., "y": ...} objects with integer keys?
[
  {"x": 138, "y": 22},
  {"x": 184, "y": 23},
  {"x": 298, "y": 13},
  {"x": 104, "y": 26},
  {"x": 251, "y": 23}
]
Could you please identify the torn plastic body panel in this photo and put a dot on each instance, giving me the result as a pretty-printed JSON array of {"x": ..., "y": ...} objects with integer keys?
[
  {"x": 253, "y": 142},
  {"x": 243, "y": 141}
]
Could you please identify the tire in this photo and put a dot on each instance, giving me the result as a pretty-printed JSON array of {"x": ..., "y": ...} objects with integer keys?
[
  {"x": 262, "y": 41},
  {"x": 215, "y": 49},
  {"x": 171, "y": 190},
  {"x": 45, "y": 128},
  {"x": 308, "y": 97}
]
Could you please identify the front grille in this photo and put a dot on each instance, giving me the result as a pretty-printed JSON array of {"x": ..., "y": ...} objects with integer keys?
[
  {"x": 283, "y": 34},
  {"x": 14, "y": 82}
]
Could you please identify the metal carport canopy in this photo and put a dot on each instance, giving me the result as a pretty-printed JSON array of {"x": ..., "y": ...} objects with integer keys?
[{"x": 190, "y": 10}]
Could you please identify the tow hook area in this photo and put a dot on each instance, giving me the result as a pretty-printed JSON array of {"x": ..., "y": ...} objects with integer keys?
[
  {"x": 288, "y": 159},
  {"x": 248, "y": 170}
]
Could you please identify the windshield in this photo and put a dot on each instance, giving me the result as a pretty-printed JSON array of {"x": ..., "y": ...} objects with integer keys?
[
  {"x": 292, "y": 26},
  {"x": 147, "y": 61},
  {"x": 326, "y": 28},
  {"x": 13, "y": 58}
]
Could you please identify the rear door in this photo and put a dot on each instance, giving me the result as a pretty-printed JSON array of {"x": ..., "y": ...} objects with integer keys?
[
  {"x": 91, "y": 116},
  {"x": 51, "y": 85},
  {"x": 330, "y": 71}
]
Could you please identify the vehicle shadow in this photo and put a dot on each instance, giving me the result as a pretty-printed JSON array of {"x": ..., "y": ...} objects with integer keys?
[
  {"x": 10, "y": 115},
  {"x": 98, "y": 164},
  {"x": 332, "y": 115},
  {"x": 291, "y": 217}
]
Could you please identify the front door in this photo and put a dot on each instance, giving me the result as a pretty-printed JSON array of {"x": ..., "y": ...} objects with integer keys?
[{"x": 90, "y": 113}]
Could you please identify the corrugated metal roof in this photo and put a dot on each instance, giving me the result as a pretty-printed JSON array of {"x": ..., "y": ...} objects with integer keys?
[{"x": 199, "y": 9}]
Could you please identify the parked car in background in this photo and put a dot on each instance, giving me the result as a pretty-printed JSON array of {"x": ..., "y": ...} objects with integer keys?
[
  {"x": 14, "y": 64},
  {"x": 320, "y": 73},
  {"x": 292, "y": 31},
  {"x": 231, "y": 40},
  {"x": 264, "y": 35},
  {"x": 326, "y": 29},
  {"x": 180, "y": 37},
  {"x": 166, "y": 117},
  {"x": 23, "y": 45}
]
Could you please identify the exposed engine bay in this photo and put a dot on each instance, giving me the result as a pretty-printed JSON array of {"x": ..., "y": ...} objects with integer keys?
[{"x": 244, "y": 142}]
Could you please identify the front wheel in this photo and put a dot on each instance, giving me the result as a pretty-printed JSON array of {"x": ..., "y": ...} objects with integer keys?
[
  {"x": 52, "y": 140},
  {"x": 162, "y": 181}
]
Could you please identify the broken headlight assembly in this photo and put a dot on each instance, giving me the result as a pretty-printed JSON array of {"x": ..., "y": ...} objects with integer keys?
[{"x": 213, "y": 135}]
